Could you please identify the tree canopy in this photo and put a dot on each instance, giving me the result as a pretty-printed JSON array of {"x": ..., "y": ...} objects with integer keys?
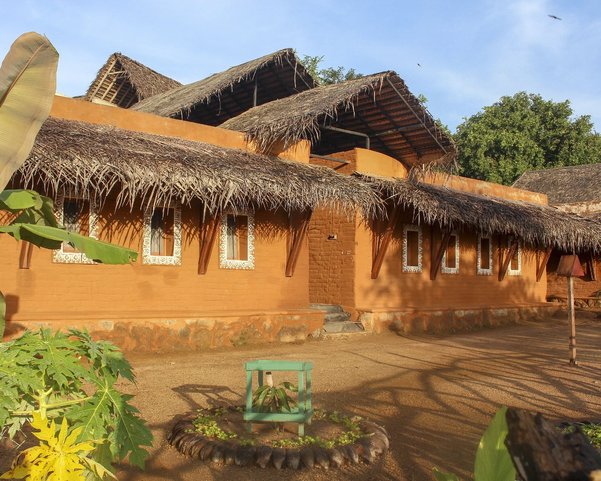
[
  {"x": 524, "y": 132},
  {"x": 329, "y": 75}
]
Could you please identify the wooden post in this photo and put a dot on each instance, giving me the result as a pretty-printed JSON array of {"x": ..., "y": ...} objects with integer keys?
[
  {"x": 299, "y": 226},
  {"x": 542, "y": 267},
  {"x": 208, "y": 233},
  {"x": 437, "y": 255},
  {"x": 384, "y": 241},
  {"x": 572, "y": 321}
]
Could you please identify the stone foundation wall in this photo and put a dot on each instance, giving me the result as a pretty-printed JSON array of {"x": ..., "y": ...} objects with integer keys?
[
  {"x": 451, "y": 320},
  {"x": 197, "y": 334}
]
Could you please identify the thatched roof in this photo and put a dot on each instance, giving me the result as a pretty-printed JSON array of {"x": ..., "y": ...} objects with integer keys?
[
  {"x": 123, "y": 81},
  {"x": 223, "y": 95},
  {"x": 380, "y": 106},
  {"x": 565, "y": 185},
  {"x": 534, "y": 224},
  {"x": 95, "y": 160}
]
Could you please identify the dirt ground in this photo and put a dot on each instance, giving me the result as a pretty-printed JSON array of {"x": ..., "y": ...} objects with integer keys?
[{"x": 435, "y": 395}]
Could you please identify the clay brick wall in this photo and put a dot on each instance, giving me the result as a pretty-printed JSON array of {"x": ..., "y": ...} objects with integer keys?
[
  {"x": 397, "y": 289},
  {"x": 331, "y": 261},
  {"x": 61, "y": 292}
]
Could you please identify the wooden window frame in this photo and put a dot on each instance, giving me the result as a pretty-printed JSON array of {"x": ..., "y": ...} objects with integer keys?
[
  {"x": 480, "y": 270},
  {"x": 224, "y": 262},
  {"x": 518, "y": 252},
  {"x": 60, "y": 256},
  {"x": 173, "y": 260},
  {"x": 443, "y": 265},
  {"x": 406, "y": 266}
]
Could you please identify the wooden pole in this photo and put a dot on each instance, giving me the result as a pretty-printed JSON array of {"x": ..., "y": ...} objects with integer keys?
[{"x": 572, "y": 320}]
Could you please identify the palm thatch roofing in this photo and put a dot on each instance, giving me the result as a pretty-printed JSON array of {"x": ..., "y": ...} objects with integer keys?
[
  {"x": 534, "y": 224},
  {"x": 123, "y": 81},
  {"x": 95, "y": 160},
  {"x": 379, "y": 107},
  {"x": 565, "y": 185},
  {"x": 227, "y": 94}
]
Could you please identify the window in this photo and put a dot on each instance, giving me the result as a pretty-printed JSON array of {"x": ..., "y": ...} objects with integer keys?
[
  {"x": 236, "y": 247},
  {"x": 450, "y": 258},
  {"x": 162, "y": 236},
  {"x": 484, "y": 256},
  {"x": 412, "y": 248},
  {"x": 76, "y": 215},
  {"x": 515, "y": 265}
]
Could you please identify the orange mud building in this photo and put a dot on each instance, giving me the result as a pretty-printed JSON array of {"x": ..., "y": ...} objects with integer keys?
[{"x": 256, "y": 199}]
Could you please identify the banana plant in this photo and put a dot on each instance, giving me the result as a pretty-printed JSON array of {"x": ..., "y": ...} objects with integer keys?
[{"x": 27, "y": 87}]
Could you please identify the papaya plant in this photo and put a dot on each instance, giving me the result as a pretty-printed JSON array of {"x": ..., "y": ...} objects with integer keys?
[{"x": 70, "y": 379}]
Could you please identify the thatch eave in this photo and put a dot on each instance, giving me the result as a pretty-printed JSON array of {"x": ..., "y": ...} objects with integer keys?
[
  {"x": 534, "y": 224},
  {"x": 379, "y": 106},
  {"x": 226, "y": 94},
  {"x": 96, "y": 161},
  {"x": 124, "y": 81}
]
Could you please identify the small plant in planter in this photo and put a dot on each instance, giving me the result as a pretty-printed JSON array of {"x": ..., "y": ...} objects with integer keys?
[{"x": 274, "y": 399}]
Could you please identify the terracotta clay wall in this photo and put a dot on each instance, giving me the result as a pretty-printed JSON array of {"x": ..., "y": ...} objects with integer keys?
[
  {"x": 60, "y": 293},
  {"x": 397, "y": 289}
]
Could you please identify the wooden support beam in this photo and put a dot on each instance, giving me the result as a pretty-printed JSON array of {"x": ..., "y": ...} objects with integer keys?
[
  {"x": 590, "y": 266},
  {"x": 504, "y": 263},
  {"x": 25, "y": 255},
  {"x": 208, "y": 233},
  {"x": 380, "y": 246},
  {"x": 299, "y": 226},
  {"x": 541, "y": 267},
  {"x": 438, "y": 254}
]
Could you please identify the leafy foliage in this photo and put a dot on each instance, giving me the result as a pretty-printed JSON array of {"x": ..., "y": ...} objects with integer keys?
[
  {"x": 71, "y": 378},
  {"x": 274, "y": 399},
  {"x": 58, "y": 456},
  {"x": 524, "y": 132},
  {"x": 329, "y": 75},
  {"x": 493, "y": 462}
]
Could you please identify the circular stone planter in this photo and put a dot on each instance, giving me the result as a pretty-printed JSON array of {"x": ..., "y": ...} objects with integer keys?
[{"x": 184, "y": 437}]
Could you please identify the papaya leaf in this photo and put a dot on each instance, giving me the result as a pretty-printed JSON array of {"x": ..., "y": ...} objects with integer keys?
[
  {"x": 27, "y": 87},
  {"x": 493, "y": 462}
]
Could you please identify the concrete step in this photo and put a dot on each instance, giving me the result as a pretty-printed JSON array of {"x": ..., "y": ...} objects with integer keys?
[
  {"x": 330, "y": 308},
  {"x": 342, "y": 327},
  {"x": 337, "y": 317}
]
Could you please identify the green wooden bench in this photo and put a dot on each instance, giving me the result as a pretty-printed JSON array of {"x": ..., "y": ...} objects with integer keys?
[{"x": 303, "y": 412}]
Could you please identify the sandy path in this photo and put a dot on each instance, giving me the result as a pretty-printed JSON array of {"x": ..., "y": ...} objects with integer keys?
[{"x": 435, "y": 395}]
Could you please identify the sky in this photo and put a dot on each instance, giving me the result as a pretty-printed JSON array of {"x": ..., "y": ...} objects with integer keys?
[{"x": 461, "y": 54}]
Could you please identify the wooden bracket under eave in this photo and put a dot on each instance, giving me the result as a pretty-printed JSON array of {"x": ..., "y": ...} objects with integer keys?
[
  {"x": 542, "y": 266},
  {"x": 208, "y": 233},
  {"x": 382, "y": 241},
  {"x": 505, "y": 262},
  {"x": 25, "y": 255},
  {"x": 590, "y": 266},
  {"x": 437, "y": 255},
  {"x": 299, "y": 226}
]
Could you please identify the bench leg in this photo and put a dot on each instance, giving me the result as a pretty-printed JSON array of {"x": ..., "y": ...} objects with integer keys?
[
  {"x": 249, "y": 428},
  {"x": 301, "y": 430}
]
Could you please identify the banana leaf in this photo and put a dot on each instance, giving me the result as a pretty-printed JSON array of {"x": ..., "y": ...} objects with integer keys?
[
  {"x": 27, "y": 86},
  {"x": 52, "y": 238}
]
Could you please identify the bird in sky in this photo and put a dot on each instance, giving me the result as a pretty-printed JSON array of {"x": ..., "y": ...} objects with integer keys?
[
  {"x": 554, "y": 17},
  {"x": 419, "y": 65}
]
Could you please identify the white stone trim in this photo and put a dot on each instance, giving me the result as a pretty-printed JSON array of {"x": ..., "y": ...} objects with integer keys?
[
  {"x": 176, "y": 258},
  {"x": 224, "y": 262},
  {"x": 59, "y": 256},
  {"x": 451, "y": 270},
  {"x": 418, "y": 229},
  {"x": 481, "y": 271},
  {"x": 518, "y": 271}
]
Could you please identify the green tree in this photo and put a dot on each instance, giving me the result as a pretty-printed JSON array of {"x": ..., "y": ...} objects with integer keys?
[
  {"x": 329, "y": 75},
  {"x": 524, "y": 132}
]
